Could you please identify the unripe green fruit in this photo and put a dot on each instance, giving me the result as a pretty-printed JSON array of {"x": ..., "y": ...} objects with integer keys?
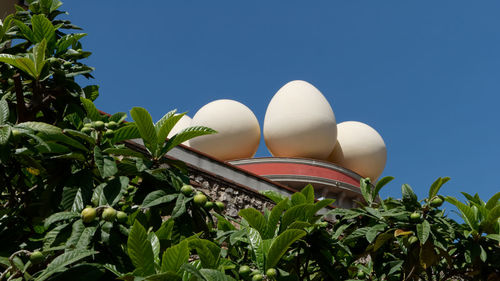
[
  {"x": 209, "y": 205},
  {"x": 415, "y": 217},
  {"x": 88, "y": 214},
  {"x": 109, "y": 133},
  {"x": 436, "y": 202},
  {"x": 99, "y": 125},
  {"x": 200, "y": 199},
  {"x": 36, "y": 257},
  {"x": 112, "y": 125},
  {"x": 187, "y": 189},
  {"x": 121, "y": 217},
  {"x": 271, "y": 273},
  {"x": 244, "y": 270},
  {"x": 412, "y": 239},
  {"x": 87, "y": 125},
  {"x": 109, "y": 214},
  {"x": 220, "y": 205},
  {"x": 360, "y": 275},
  {"x": 86, "y": 130},
  {"x": 257, "y": 277}
]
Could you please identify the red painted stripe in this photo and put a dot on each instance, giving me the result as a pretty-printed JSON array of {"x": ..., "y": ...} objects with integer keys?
[{"x": 263, "y": 169}]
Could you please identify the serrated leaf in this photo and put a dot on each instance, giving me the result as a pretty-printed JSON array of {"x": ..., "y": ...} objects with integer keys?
[
  {"x": 180, "y": 205},
  {"x": 126, "y": 132},
  {"x": 318, "y": 206},
  {"x": 255, "y": 241},
  {"x": 175, "y": 256},
  {"x": 364, "y": 185},
  {"x": 274, "y": 218},
  {"x": 4, "y": 111},
  {"x": 105, "y": 164},
  {"x": 155, "y": 245},
  {"x": 59, "y": 263},
  {"x": 273, "y": 195},
  {"x": 298, "y": 198},
  {"x": 281, "y": 244},
  {"x": 254, "y": 218},
  {"x": 144, "y": 124},
  {"x": 434, "y": 189},
  {"x": 308, "y": 192},
  {"x": 91, "y": 92},
  {"x": 165, "y": 125},
  {"x": 41, "y": 127},
  {"x": 4, "y": 134},
  {"x": 408, "y": 194},
  {"x": 295, "y": 213},
  {"x": 92, "y": 112},
  {"x": 493, "y": 201},
  {"x": 208, "y": 252},
  {"x": 185, "y": 135},
  {"x": 118, "y": 117},
  {"x": 381, "y": 183},
  {"x": 423, "y": 231},
  {"x": 215, "y": 275},
  {"x": 25, "y": 31},
  {"x": 59, "y": 217},
  {"x": 140, "y": 250},
  {"x": 80, "y": 135},
  {"x": 466, "y": 212},
  {"x": 42, "y": 28}
]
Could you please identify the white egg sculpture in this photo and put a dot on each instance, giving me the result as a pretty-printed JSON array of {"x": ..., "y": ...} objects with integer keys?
[
  {"x": 300, "y": 122},
  {"x": 238, "y": 130},
  {"x": 182, "y": 124},
  {"x": 359, "y": 148}
]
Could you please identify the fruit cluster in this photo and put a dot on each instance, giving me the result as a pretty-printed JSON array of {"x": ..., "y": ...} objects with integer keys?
[
  {"x": 108, "y": 128},
  {"x": 201, "y": 199},
  {"x": 108, "y": 214},
  {"x": 246, "y": 272}
]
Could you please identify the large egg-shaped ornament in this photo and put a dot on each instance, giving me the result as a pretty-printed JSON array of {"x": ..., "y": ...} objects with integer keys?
[
  {"x": 238, "y": 130},
  {"x": 300, "y": 122},
  {"x": 359, "y": 148},
  {"x": 182, "y": 124}
]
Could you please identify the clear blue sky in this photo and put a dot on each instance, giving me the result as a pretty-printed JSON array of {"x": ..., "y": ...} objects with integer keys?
[{"x": 425, "y": 74}]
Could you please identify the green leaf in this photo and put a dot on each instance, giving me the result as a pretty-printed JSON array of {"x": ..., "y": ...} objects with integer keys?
[
  {"x": 140, "y": 250},
  {"x": 59, "y": 217},
  {"x": 180, "y": 206},
  {"x": 365, "y": 187},
  {"x": 308, "y": 192},
  {"x": 466, "y": 211},
  {"x": 273, "y": 195},
  {"x": 408, "y": 195},
  {"x": 80, "y": 135},
  {"x": 318, "y": 206},
  {"x": 155, "y": 245},
  {"x": 185, "y": 135},
  {"x": 281, "y": 244},
  {"x": 493, "y": 201},
  {"x": 295, "y": 213},
  {"x": 493, "y": 215},
  {"x": 25, "y": 31},
  {"x": 4, "y": 134},
  {"x": 382, "y": 239},
  {"x": 144, "y": 124},
  {"x": 208, "y": 252},
  {"x": 215, "y": 275},
  {"x": 59, "y": 264},
  {"x": 124, "y": 152},
  {"x": 157, "y": 197},
  {"x": 127, "y": 132},
  {"x": 164, "y": 276},
  {"x": 39, "y": 57},
  {"x": 428, "y": 256},
  {"x": 91, "y": 91},
  {"x": 381, "y": 183},
  {"x": 165, "y": 125},
  {"x": 92, "y": 111},
  {"x": 423, "y": 231},
  {"x": 255, "y": 241},
  {"x": 118, "y": 117},
  {"x": 433, "y": 191},
  {"x": 274, "y": 218},
  {"x": 175, "y": 256},
  {"x": 4, "y": 111},
  {"x": 64, "y": 139},
  {"x": 298, "y": 198},
  {"x": 41, "y": 127},
  {"x": 165, "y": 231},
  {"x": 254, "y": 218},
  {"x": 24, "y": 64},
  {"x": 42, "y": 29},
  {"x": 105, "y": 164}
]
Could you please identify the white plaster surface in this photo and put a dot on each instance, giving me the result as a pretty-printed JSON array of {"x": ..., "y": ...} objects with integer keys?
[
  {"x": 300, "y": 122},
  {"x": 238, "y": 130},
  {"x": 360, "y": 148}
]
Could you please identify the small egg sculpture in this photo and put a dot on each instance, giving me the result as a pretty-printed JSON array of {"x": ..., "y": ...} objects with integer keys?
[
  {"x": 182, "y": 124},
  {"x": 359, "y": 148},
  {"x": 300, "y": 122},
  {"x": 238, "y": 130}
]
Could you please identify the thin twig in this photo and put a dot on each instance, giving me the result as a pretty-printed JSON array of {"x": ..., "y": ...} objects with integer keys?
[{"x": 21, "y": 106}]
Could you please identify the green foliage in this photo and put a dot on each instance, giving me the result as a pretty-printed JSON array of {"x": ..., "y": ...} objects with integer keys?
[{"x": 66, "y": 171}]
